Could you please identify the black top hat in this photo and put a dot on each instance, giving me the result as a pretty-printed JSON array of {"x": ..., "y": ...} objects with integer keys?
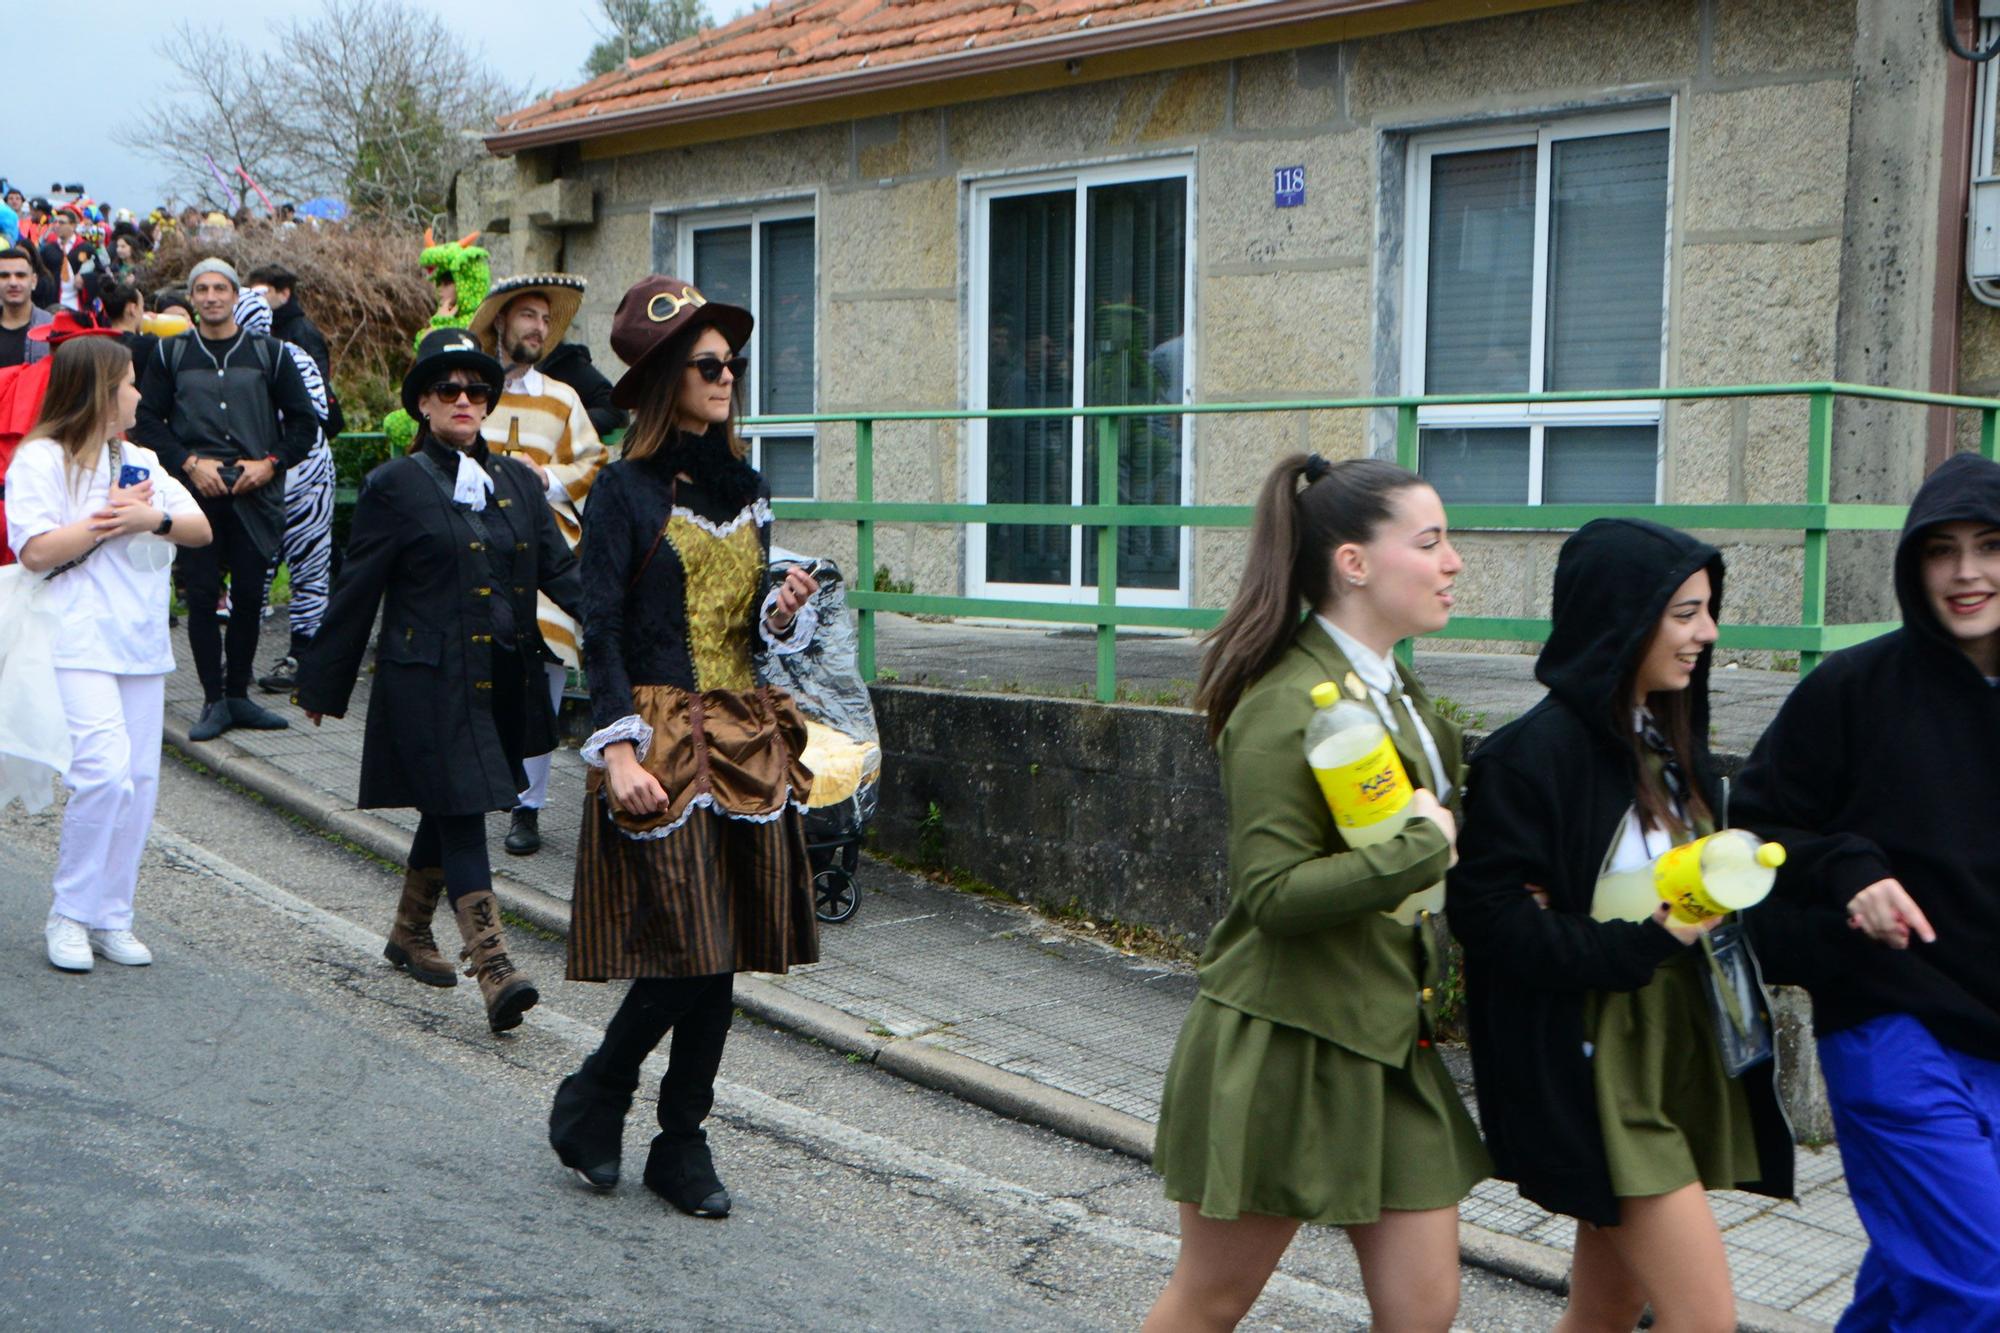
[{"x": 448, "y": 349}]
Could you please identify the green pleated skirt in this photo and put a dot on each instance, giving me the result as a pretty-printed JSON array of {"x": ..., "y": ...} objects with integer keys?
[
  {"x": 1262, "y": 1118},
  {"x": 1670, "y": 1115}
]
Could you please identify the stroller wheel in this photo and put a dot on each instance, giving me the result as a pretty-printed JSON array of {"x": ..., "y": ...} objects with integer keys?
[{"x": 834, "y": 895}]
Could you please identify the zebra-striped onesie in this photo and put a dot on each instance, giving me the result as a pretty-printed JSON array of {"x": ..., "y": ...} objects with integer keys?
[{"x": 308, "y": 544}]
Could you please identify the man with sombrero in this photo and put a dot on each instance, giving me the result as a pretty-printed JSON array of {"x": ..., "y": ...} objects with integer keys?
[{"x": 542, "y": 422}]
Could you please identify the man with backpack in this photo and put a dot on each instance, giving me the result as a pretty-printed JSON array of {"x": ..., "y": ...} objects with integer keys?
[{"x": 227, "y": 409}]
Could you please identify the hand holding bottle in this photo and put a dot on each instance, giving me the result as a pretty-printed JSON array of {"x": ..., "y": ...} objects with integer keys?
[
  {"x": 1423, "y": 805},
  {"x": 1686, "y": 932}
]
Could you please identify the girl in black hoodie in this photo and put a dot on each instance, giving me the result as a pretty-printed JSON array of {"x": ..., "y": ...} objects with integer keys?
[
  {"x": 1881, "y": 774},
  {"x": 1601, "y": 1091}
]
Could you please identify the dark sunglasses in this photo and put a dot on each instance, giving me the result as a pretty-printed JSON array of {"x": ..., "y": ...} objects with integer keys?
[
  {"x": 711, "y": 367},
  {"x": 478, "y": 393}
]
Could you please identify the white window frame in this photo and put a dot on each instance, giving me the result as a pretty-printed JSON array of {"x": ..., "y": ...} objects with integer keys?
[
  {"x": 1082, "y": 178},
  {"x": 1536, "y": 417},
  {"x": 754, "y": 217}
]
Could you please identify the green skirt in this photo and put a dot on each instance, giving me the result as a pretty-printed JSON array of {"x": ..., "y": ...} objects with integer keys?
[
  {"x": 1262, "y": 1118},
  {"x": 1670, "y": 1115}
]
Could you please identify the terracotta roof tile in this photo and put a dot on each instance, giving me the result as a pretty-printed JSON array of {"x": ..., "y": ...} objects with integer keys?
[{"x": 797, "y": 40}]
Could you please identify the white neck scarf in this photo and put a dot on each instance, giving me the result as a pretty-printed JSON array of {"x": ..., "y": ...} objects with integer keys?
[
  {"x": 1385, "y": 685},
  {"x": 473, "y": 485}
]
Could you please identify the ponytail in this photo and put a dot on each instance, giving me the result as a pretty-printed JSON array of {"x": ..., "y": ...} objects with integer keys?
[{"x": 1289, "y": 566}]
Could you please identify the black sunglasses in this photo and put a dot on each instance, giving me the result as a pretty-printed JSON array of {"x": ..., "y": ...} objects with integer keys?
[
  {"x": 478, "y": 393},
  {"x": 711, "y": 367}
]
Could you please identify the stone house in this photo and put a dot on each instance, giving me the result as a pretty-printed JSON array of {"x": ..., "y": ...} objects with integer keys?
[{"x": 967, "y": 203}]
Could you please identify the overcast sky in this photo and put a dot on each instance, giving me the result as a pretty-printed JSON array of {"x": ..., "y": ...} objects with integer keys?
[{"x": 111, "y": 67}]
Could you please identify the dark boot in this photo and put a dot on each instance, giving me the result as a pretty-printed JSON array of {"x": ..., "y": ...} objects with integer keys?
[
  {"x": 679, "y": 1169},
  {"x": 524, "y": 834},
  {"x": 682, "y": 1172},
  {"x": 216, "y": 718},
  {"x": 254, "y": 717},
  {"x": 507, "y": 993},
  {"x": 411, "y": 945},
  {"x": 587, "y": 1127}
]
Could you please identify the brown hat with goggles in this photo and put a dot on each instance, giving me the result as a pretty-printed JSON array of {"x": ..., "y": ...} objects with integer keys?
[{"x": 658, "y": 313}]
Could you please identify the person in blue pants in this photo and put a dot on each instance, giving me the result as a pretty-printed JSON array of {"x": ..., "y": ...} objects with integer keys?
[{"x": 1881, "y": 774}]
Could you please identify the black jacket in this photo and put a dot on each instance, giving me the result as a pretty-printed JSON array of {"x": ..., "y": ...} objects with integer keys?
[
  {"x": 570, "y": 363},
  {"x": 1885, "y": 763},
  {"x": 433, "y": 740},
  {"x": 1545, "y": 797},
  {"x": 289, "y": 323}
]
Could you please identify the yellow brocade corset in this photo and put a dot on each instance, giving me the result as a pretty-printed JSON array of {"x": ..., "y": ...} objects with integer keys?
[{"x": 723, "y": 568}]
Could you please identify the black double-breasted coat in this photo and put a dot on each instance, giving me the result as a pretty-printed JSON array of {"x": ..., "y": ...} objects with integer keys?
[{"x": 433, "y": 741}]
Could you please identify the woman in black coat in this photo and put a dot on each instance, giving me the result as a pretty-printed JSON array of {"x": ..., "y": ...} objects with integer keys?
[
  {"x": 1601, "y": 1090},
  {"x": 458, "y": 541}
]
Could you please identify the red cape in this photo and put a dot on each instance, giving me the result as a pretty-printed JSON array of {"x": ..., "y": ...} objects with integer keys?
[{"x": 21, "y": 391}]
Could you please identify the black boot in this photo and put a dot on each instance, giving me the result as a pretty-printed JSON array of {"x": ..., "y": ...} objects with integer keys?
[
  {"x": 682, "y": 1172},
  {"x": 216, "y": 718},
  {"x": 587, "y": 1128},
  {"x": 679, "y": 1169},
  {"x": 255, "y": 717},
  {"x": 524, "y": 834}
]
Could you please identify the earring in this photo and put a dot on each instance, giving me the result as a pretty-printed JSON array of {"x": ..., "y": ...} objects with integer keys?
[{"x": 1359, "y": 583}]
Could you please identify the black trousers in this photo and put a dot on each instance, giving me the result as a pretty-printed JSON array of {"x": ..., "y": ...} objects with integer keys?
[
  {"x": 235, "y": 554},
  {"x": 698, "y": 1011}
]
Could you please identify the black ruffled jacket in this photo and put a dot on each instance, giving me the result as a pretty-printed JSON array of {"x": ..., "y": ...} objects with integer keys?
[{"x": 638, "y": 635}]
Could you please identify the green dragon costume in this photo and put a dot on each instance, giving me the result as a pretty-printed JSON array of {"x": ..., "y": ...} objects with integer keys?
[{"x": 468, "y": 271}]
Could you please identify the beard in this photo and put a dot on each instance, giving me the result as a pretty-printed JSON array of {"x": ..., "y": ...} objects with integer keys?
[{"x": 521, "y": 354}]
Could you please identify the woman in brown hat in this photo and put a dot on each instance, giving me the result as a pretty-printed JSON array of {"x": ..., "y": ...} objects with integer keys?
[{"x": 692, "y": 865}]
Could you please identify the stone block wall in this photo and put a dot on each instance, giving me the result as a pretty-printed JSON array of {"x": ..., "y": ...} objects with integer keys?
[{"x": 1306, "y": 301}]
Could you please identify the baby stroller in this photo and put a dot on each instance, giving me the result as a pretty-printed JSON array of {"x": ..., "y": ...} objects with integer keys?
[{"x": 843, "y": 748}]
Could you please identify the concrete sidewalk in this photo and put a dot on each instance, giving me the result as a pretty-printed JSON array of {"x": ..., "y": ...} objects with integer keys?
[{"x": 994, "y": 1003}]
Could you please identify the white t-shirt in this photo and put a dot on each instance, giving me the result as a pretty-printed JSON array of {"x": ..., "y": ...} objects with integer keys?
[{"x": 112, "y": 607}]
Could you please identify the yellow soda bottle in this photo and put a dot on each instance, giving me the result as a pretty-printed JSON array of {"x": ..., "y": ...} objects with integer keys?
[
  {"x": 1362, "y": 777},
  {"x": 1724, "y": 872}
]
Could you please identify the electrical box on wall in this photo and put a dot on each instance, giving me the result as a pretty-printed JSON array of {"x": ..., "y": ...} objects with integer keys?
[{"x": 1983, "y": 263}]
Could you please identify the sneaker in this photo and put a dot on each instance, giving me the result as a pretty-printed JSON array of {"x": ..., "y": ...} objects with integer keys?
[
  {"x": 69, "y": 944},
  {"x": 283, "y": 677},
  {"x": 222, "y": 606},
  {"x": 215, "y": 719},
  {"x": 120, "y": 946},
  {"x": 256, "y": 717}
]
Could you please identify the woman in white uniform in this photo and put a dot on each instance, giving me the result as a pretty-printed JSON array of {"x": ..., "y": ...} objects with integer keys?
[{"x": 98, "y": 517}]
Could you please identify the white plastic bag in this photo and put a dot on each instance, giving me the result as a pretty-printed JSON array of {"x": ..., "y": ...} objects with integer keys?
[{"x": 34, "y": 733}]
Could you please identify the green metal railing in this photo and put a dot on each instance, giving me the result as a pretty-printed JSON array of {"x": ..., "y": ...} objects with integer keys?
[{"x": 1816, "y": 517}]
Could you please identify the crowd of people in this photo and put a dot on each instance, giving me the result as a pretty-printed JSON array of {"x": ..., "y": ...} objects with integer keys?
[{"x": 511, "y": 546}]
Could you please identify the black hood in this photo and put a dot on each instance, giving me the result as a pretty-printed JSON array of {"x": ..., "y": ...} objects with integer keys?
[
  {"x": 1965, "y": 487},
  {"x": 1613, "y": 580}
]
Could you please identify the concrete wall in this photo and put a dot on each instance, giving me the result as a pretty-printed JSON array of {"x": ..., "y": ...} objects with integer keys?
[{"x": 1305, "y": 301}]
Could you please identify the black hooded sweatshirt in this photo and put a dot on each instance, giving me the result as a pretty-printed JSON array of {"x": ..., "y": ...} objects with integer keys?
[
  {"x": 1884, "y": 763},
  {"x": 1545, "y": 798}
]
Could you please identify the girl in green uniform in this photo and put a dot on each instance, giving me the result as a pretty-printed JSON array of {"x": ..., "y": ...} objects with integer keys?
[
  {"x": 1602, "y": 1092},
  {"x": 1304, "y": 1087}
]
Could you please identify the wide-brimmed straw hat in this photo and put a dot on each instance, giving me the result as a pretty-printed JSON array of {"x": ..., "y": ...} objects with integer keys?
[
  {"x": 448, "y": 349},
  {"x": 657, "y": 312},
  {"x": 563, "y": 292}
]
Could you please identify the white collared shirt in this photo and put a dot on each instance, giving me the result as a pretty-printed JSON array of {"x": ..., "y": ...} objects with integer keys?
[{"x": 1384, "y": 684}]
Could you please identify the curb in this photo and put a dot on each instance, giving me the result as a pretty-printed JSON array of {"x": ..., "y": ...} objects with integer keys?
[{"x": 909, "y": 1058}]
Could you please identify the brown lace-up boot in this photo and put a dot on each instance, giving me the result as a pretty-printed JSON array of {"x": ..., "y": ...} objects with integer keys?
[
  {"x": 507, "y": 993},
  {"x": 411, "y": 945}
]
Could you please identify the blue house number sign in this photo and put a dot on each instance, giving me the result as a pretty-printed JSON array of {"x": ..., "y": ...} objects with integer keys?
[{"x": 1288, "y": 186}]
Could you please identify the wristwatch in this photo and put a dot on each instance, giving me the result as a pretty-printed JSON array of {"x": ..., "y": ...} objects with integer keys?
[{"x": 166, "y": 525}]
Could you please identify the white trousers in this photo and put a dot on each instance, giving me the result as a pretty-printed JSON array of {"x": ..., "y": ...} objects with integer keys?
[
  {"x": 114, "y": 783},
  {"x": 537, "y": 765}
]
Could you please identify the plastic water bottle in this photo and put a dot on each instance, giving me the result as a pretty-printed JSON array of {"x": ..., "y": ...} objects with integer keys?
[
  {"x": 1362, "y": 777},
  {"x": 1724, "y": 872}
]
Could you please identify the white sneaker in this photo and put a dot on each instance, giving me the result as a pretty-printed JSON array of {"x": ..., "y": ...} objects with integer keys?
[
  {"x": 120, "y": 946},
  {"x": 69, "y": 944}
]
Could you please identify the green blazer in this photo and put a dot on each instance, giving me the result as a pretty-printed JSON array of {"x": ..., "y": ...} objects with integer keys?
[{"x": 1305, "y": 942}]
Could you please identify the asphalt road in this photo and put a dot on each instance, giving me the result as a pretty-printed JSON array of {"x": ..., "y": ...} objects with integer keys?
[{"x": 270, "y": 1128}]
